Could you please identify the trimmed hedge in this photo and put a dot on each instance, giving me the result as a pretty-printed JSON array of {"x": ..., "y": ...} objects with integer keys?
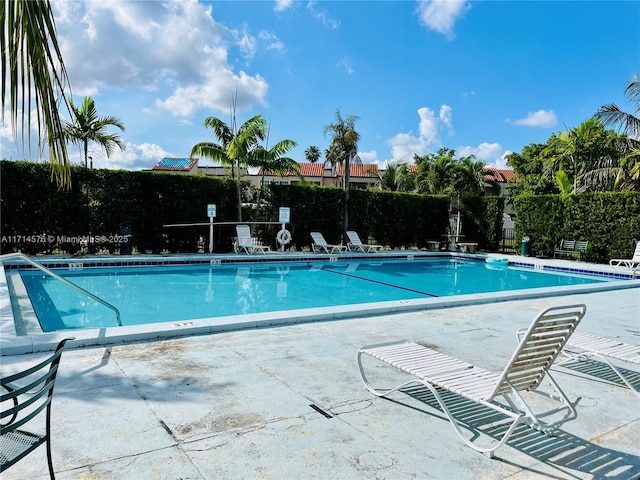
[
  {"x": 610, "y": 222},
  {"x": 37, "y": 218}
]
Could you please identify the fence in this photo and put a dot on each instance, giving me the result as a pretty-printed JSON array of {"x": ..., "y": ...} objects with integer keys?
[{"x": 508, "y": 244}]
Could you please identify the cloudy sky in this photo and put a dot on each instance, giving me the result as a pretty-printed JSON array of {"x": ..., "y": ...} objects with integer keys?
[{"x": 485, "y": 78}]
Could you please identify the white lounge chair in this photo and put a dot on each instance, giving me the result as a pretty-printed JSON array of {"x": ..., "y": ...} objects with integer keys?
[
  {"x": 245, "y": 242},
  {"x": 581, "y": 346},
  {"x": 541, "y": 343},
  {"x": 356, "y": 244},
  {"x": 320, "y": 244},
  {"x": 632, "y": 263}
]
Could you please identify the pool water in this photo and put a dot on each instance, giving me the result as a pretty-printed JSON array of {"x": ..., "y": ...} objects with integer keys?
[{"x": 164, "y": 294}]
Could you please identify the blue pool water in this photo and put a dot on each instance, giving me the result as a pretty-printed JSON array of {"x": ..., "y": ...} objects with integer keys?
[{"x": 163, "y": 294}]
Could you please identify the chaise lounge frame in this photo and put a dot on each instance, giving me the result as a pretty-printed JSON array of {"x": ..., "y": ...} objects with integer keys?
[
  {"x": 582, "y": 346},
  {"x": 539, "y": 346},
  {"x": 320, "y": 244},
  {"x": 356, "y": 244},
  {"x": 248, "y": 243}
]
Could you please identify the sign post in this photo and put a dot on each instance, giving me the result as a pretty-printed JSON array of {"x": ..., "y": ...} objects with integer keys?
[
  {"x": 211, "y": 213},
  {"x": 284, "y": 236}
]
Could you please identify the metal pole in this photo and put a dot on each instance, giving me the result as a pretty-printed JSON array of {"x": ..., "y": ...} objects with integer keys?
[{"x": 210, "y": 234}]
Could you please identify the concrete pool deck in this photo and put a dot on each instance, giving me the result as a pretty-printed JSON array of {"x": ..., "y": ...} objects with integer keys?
[{"x": 255, "y": 404}]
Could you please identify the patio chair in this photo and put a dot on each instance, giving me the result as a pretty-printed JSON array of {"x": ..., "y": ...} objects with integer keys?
[
  {"x": 247, "y": 243},
  {"x": 29, "y": 393},
  {"x": 356, "y": 244},
  {"x": 582, "y": 346},
  {"x": 541, "y": 343},
  {"x": 320, "y": 244},
  {"x": 632, "y": 264}
]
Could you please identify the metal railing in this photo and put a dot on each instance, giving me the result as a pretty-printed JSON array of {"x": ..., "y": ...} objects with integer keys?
[{"x": 42, "y": 268}]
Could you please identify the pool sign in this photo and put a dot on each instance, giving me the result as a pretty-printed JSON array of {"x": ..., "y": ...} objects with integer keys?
[
  {"x": 211, "y": 210},
  {"x": 285, "y": 215}
]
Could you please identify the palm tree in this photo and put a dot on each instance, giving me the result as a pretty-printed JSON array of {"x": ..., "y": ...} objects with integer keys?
[
  {"x": 629, "y": 123},
  {"x": 397, "y": 178},
  {"x": 343, "y": 149},
  {"x": 88, "y": 127},
  {"x": 435, "y": 172},
  {"x": 32, "y": 65},
  {"x": 312, "y": 154},
  {"x": 235, "y": 147},
  {"x": 612, "y": 116},
  {"x": 589, "y": 154},
  {"x": 272, "y": 160}
]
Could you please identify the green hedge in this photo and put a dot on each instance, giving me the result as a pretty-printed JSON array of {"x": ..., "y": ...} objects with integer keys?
[
  {"x": 34, "y": 211},
  {"x": 610, "y": 222}
]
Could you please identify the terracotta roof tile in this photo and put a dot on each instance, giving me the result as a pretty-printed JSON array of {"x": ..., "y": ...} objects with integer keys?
[
  {"x": 367, "y": 170},
  {"x": 501, "y": 175}
]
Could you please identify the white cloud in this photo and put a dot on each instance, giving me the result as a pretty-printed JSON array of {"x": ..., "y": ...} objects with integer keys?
[
  {"x": 322, "y": 17},
  {"x": 134, "y": 157},
  {"x": 368, "y": 157},
  {"x": 282, "y": 5},
  {"x": 346, "y": 64},
  {"x": 489, "y": 153},
  {"x": 441, "y": 15},
  {"x": 541, "y": 118},
  {"x": 171, "y": 48},
  {"x": 270, "y": 41},
  {"x": 405, "y": 145}
]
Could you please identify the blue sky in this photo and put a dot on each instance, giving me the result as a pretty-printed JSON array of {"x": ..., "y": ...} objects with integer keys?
[{"x": 485, "y": 78}]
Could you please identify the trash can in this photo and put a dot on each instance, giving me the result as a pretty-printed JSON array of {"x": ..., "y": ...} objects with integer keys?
[
  {"x": 525, "y": 249},
  {"x": 126, "y": 242}
]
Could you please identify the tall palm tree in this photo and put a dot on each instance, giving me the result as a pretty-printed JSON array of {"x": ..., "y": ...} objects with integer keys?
[
  {"x": 344, "y": 141},
  {"x": 312, "y": 154},
  {"x": 343, "y": 149},
  {"x": 88, "y": 127},
  {"x": 629, "y": 123},
  {"x": 235, "y": 147},
  {"x": 32, "y": 65},
  {"x": 612, "y": 116}
]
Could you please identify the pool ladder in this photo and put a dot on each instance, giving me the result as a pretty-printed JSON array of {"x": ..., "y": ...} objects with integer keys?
[{"x": 42, "y": 268}]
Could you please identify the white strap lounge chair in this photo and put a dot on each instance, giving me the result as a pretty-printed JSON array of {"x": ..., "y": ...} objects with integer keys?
[
  {"x": 356, "y": 244},
  {"x": 247, "y": 243},
  {"x": 320, "y": 244},
  {"x": 632, "y": 263},
  {"x": 582, "y": 346},
  {"x": 541, "y": 343}
]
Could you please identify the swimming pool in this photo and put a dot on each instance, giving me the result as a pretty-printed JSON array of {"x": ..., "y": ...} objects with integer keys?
[{"x": 185, "y": 293}]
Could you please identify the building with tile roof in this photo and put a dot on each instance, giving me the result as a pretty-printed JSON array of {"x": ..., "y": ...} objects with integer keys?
[{"x": 360, "y": 175}]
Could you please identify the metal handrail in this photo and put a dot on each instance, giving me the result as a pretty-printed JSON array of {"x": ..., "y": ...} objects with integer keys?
[{"x": 44, "y": 269}]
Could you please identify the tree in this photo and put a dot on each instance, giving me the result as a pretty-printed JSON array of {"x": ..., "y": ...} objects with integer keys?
[
  {"x": 272, "y": 160},
  {"x": 88, "y": 127},
  {"x": 397, "y": 178},
  {"x": 343, "y": 149},
  {"x": 235, "y": 147},
  {"x": 588, "y": 154},
  {"x": 32, "y": 65},
  {"x": 435, "y": 172},
  {"x": 629, "y": 123},
  {"x": 612, "y": 116},
  {"x": 312, "y": 154}
]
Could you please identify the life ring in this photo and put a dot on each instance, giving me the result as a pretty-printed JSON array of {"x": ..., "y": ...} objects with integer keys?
[{"x": 283, "y": 237}]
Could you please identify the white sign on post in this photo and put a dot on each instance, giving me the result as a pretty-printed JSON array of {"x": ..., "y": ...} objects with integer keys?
[
  {"x": 211, "y": 210},
  {"x": 285, "y": 215}
]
